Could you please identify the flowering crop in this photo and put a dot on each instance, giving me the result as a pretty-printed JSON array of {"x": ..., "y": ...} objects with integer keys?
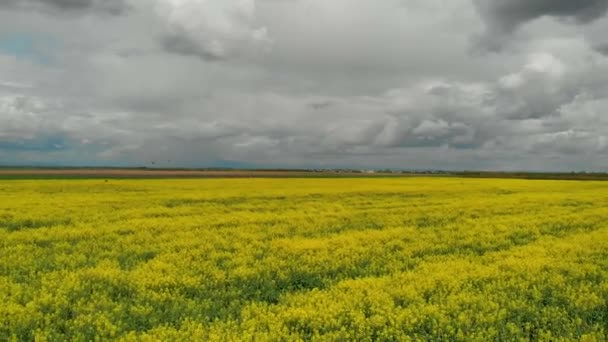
[{"x": 375, "y": 259}]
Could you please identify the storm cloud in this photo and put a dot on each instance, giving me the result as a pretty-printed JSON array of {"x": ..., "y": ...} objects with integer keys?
[
  {"x": 502, "y": 18},
  {"x": 305, "y": 83}
]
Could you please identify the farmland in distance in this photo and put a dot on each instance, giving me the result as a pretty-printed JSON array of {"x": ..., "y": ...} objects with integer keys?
[{"x": 327, "y": 259}]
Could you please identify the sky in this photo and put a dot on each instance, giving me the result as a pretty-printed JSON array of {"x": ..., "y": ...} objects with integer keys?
[{"x": 402, "y": 84}]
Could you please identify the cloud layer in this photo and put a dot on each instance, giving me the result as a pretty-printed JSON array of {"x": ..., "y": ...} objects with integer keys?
[
  {"x": 113, "y": 7},
  {"x": 305, "y": 83},
  {"x": 502, "y": 18},
  {"x": 211, "y": 29}
]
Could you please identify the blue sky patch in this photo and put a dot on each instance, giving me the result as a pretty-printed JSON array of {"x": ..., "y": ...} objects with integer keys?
[
  {"x": 41, "y": 144},
  {"x": 35, "y": 48}
]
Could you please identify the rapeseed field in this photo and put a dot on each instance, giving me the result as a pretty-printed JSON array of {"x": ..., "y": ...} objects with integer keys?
[{"x": 374, "y": 259}]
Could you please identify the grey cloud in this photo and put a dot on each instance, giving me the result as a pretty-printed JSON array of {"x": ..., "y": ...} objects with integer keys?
[
  {"x": 212, "y": 30},
  {"x": 113, "y": 7},
  {"x": 435, "y": 121},
  {"x": 502, "y": 18},
  {"x": 602, "y": 48},
  {"x": 320, "y": 105},
  {"x": 450, "y": 115},
  {"x": 547, "y": 83},
  {"x": 14, "y": 85},
  {"x": 184, "y": 45},
  {"x": 567, "y": 142},
  {"x": 429, "y": 133},
  {"x": 362, "y": 85}
]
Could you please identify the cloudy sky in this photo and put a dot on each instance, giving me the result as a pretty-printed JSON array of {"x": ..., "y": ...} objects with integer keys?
[{"x": 412, "y": 84}]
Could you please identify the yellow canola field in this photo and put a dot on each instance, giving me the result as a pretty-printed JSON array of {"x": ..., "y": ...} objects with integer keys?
[{"x": 362, "y": 259}]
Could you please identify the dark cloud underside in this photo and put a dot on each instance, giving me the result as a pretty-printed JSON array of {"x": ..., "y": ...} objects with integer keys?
[
  {"x": 114, "y": 7},
  {"x": 502, "y": 17}
]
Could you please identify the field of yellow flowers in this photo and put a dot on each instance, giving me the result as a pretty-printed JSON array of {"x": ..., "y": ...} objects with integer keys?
[{"x": 375, "y": 259}]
